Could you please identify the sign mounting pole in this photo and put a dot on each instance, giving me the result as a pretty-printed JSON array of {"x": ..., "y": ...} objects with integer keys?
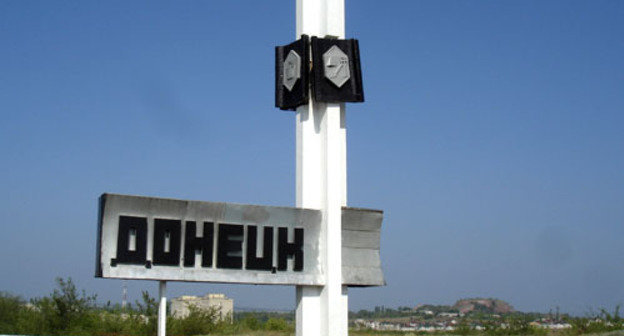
[
  {"x": 321, "y": 182},
  {"x": 162, "y": 308}
]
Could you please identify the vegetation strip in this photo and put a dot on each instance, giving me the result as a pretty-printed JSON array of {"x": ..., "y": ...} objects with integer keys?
[{"x": 68, "y": 312}]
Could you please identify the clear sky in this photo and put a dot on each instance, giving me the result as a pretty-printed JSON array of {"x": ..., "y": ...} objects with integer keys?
[{"x": 492, "y": 136}]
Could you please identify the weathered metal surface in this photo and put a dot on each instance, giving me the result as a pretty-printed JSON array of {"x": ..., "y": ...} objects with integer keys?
[
  {"x": 336, "y": 66},
  {"x": 292, "y": 69},
  {"x": 361, "y": 233},
  {"x": 360, "y": 239},
  {"x": 361, "y": 264},
  {"x": 113, "y": 206}
]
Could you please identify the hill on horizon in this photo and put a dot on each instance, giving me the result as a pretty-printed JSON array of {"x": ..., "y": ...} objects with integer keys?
[{"x": 492, "y": 306}]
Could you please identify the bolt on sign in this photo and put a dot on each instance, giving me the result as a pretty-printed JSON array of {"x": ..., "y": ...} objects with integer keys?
[{"x": 166, "y": 239}]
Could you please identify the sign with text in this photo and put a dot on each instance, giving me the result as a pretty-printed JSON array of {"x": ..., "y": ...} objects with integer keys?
[{"x": 165, "y": 239}]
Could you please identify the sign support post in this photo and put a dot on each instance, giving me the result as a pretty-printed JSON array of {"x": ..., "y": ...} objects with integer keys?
[
  {"x": 162, "y": 308},
  {"x": 321, "y": 182}
]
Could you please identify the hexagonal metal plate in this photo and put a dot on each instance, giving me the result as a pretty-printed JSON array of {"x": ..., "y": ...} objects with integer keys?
[
  {"x": 292, "y": 70},
  {"x": 336, "y": 66}
]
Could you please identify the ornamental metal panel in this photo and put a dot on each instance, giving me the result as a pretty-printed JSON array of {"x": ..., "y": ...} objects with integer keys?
[
  {"x": 292, "y": 69},
  {"x": 336, "y": 71},
  {"x": 336, "y": 66}
]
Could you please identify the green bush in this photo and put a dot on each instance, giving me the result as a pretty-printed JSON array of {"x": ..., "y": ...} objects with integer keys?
[
  {"x": 251, "y": 322},
  {"x": 198, "y": 322},
  {"x": 119, "y": 323},
  {"x": 66, "y": 311},
  {"x": 277, "y": 324},
  {"x": 10, "y": 307}
]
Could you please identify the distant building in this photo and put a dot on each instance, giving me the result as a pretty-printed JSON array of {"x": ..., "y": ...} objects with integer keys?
[{"x": 223, "y": 305}]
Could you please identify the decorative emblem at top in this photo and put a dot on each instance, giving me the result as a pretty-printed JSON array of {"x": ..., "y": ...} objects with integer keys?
[
  {"x": 292, "y": 69},
  {"x": 336, "y": 64}
]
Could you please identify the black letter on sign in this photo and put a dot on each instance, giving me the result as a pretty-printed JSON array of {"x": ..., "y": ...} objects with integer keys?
[
  {"x": 131, "y": 241},
  {"x": 266, "y": 262},
  {"x": 193, "y": 243},
  {"x": 286, "y": 250},
  {"x": 230, "y": 248},
  {"x": 167, "y": 242}
]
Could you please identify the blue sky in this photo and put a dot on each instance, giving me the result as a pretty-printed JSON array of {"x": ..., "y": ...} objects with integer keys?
[{"x": 492, "y": 136}]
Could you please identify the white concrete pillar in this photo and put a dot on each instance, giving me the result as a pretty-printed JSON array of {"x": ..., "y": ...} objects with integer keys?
[{"x": 321, "y": 182}]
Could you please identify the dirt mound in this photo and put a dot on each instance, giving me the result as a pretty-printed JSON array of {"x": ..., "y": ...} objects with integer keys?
[{"x": 492, "y": 306}]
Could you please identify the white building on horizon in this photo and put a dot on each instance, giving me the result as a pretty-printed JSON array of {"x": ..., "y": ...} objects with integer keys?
[{"x": 223, "y": 306}]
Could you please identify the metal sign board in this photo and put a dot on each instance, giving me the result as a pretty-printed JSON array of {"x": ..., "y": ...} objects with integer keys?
[{"x": 166, "y": 239}]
